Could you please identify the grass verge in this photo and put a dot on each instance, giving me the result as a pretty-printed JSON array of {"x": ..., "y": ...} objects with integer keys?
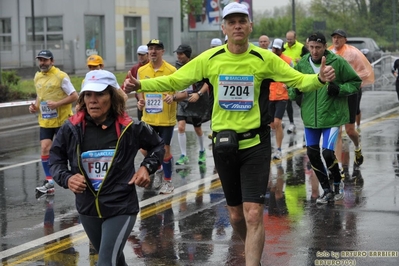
[{"x": 25, "y": 89}]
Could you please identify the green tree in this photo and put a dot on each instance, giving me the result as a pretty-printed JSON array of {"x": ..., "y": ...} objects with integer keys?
[
  {"x": 278, "y": 22},
  {"x": 189, "y": 6}
]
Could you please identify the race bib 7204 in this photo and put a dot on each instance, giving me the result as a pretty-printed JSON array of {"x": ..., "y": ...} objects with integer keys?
[{"x": 236, "y": 92}]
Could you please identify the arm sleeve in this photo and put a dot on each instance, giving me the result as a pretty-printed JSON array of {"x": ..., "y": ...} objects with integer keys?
[
  {"x": 293, "y": 78},
  {"x": 179, "y": 80},
  {"x": 67, "y": 86}
]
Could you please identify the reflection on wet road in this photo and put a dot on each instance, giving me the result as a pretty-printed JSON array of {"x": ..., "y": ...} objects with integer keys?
[{"x": 191, "y": 226}]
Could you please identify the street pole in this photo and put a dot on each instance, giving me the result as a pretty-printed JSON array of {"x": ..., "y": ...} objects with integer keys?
[
  {"x": 394, "y": 23},
  {"x": 293, "y": 16},
  {"x": 1, "y": 77},
  {"x": 33, "y": 32}
]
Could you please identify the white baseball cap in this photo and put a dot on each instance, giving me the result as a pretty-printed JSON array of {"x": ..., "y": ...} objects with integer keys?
[
  {"x": 216, "y": 42},
  {"x": 99, "y": 80},
  {"x": 278, "y": 43},
  {"x": 235, "y": 7},
  {"x": 143, "y": 49}
]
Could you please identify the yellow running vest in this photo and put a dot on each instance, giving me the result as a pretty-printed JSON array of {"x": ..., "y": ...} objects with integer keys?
[
  {"x": 48, "y": 88},
  {"x": 157, "y": 112}
]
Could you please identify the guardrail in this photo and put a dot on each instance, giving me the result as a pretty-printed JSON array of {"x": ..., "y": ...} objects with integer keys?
[{"x": 384, "y": 79}]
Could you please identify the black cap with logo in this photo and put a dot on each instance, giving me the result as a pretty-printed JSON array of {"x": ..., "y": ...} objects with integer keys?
[
  {"x": 155, "y": 42},
  {"x": 45, "y": 54},
  {"x": 317, "y": 37}
]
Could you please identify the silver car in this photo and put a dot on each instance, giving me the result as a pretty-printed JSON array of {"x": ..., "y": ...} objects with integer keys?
[{"x": 368, "y": 47}]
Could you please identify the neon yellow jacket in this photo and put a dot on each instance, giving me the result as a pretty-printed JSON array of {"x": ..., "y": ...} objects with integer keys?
[
  {"x": 294, "y": 52},
  {"x": 219, "y": 65}
]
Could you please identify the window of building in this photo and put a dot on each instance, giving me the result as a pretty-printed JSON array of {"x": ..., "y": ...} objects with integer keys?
[
  {"x": 5, "y": 34},
  {"x": 132, "y": 38},
  {"x": 165, "y": 33},
  {"x": 94, "y": 35},
  {"x": 48, "y": 33}
]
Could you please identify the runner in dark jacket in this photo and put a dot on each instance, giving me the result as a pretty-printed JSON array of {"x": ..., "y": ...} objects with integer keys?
[{"x": 93, "y": 155}]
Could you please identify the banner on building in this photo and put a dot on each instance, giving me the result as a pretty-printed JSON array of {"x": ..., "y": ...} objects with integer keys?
[{"x": 210, "y": 17}]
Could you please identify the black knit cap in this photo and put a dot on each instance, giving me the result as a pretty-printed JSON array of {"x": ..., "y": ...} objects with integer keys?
[
  {"x": 317, "y": 37},
  {"x": 185, "y": 49}
]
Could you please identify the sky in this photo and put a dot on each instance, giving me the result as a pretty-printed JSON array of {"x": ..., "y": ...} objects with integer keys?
[{"x": 261, "y": 5}]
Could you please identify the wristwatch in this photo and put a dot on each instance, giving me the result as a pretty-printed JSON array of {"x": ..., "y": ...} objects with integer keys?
[
  {"x": 148, "y": 166},
  {"x": 199, "y": 93}
]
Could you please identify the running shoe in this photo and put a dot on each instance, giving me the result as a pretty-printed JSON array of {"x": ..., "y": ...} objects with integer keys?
[
  {"x": 158, "y": 177},
  {"x": 358, "y": 157},
  {"x": 291, "y": 128},
  {"x": 167, "y": 188},
  {"x": 277, "y": 155},
  {"x": 202, "y": 157},
  {"x": 339, "y": 191},
  {"x": 47, "y": 188},
  {"x": 328, "y": 196},
  {"x": 182, "y": 160}
]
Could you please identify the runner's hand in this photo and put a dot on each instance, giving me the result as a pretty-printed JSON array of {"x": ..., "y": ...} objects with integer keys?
[
  {"x": 131, "y": 84},
  {"x": 141, "y": 178},
  {"x": 327, "y": 73},
  {"x": 32, "y": 108},
  {"x": 77, "y": 183}
]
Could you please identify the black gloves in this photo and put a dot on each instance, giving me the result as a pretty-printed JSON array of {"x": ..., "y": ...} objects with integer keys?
[{"x": 333, "y": 89}]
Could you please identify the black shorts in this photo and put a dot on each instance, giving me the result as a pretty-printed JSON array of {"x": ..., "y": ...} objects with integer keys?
[
  {"x": 354, "y": 106},
  {"x": 245, "y": 176},
  {"x": 48, "y": 133},
  {"x": 277, "y": 108},
  {"x": 165, "y": 132},
  {"x": 194, "y": 120}
]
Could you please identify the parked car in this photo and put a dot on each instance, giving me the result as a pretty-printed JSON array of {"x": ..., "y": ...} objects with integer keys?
[{"x": 368, "y": 47}]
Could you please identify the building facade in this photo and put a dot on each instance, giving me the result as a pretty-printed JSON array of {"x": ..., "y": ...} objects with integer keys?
[{"x": 75, "y": 29}]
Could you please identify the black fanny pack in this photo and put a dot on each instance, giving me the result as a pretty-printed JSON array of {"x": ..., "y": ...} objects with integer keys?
[{"x": 227, "y": 140}]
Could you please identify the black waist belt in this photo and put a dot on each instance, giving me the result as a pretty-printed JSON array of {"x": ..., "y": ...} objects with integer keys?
[{"x": 247, "y": 135}]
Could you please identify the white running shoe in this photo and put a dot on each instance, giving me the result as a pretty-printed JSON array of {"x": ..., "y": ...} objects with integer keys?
[
  {"x": 167, "y": 188},
  {"x": 291, "y": 128},
  {"x": 47, "y": 188}
]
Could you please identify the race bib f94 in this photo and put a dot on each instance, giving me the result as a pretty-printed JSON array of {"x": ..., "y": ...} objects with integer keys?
[{"x": 96, "y": 164}]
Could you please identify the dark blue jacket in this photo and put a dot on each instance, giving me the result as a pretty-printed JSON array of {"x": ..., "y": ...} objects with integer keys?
[{"x": 115, "y": 196}]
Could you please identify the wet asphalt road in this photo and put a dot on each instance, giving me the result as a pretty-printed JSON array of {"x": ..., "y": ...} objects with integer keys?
[{"x": 191, "y": 227}]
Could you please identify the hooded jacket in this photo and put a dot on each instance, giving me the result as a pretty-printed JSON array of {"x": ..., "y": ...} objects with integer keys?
[
  {"x": 114, "y": 196},
  {"x": 320, "y": 110}
]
